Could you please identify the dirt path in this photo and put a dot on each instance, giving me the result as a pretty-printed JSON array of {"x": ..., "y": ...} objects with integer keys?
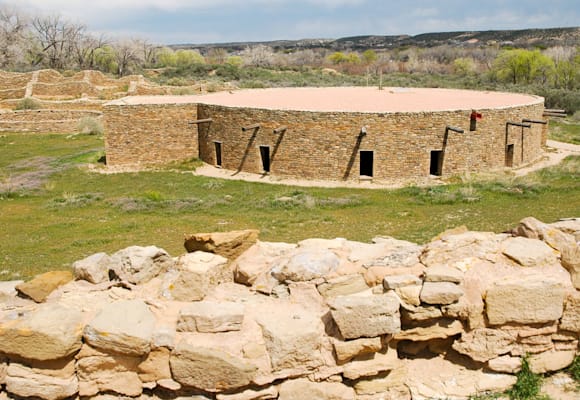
[{"x": 556, "y": 152}]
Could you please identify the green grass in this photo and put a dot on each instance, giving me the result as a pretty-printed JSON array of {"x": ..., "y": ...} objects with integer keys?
[
  {"x": 61, "y": 212},
  {"x": 565, "y": 131}
]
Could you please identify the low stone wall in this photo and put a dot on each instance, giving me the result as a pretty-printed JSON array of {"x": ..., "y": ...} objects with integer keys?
[
  {"x": 44, "y": 121},
  {"x": 238, "y": 318}
]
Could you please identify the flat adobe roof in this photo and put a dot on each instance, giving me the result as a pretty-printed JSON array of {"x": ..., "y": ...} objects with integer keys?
[{"x": 348, "y": 99}]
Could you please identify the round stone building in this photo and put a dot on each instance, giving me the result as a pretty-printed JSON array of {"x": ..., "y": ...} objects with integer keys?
[{"x": 339, "y": 133}]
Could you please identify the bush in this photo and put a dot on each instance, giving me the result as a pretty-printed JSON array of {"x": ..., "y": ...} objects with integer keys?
[
  {"x": 528, "y": 385},
  {"x": 90, "y": 126},
  {"x": 28, "y": 103}
]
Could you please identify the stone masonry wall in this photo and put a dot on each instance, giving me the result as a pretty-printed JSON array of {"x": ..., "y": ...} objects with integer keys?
[
  {"x": 149, "y": 134},
  {"x": 42, "y": 121},
  {"x": 236, "y": 318}
]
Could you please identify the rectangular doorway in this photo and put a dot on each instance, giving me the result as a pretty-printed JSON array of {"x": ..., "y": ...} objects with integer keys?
[
  {"x": 366, "y": 163},
  {"x": 265, "y": 156},
  {"x": 509, "y": 155},
  {"x": 218, "y": 153},
  {"x": 436, "y": 163}
]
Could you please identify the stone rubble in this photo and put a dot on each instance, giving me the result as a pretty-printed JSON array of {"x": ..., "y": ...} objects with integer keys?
[{"x": 241, "y": 319}]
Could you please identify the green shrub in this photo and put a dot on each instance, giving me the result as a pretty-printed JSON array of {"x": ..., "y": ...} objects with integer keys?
[
  {"x": 528, "y": 385},
  {"x": 90, "y": 126},
  {"x": 28, "y": 103},
  {"x": 574, "y": 370}
]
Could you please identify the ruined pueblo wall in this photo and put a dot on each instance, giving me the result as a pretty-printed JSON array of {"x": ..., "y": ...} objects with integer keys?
[
  {"x": 327, "y": 145},
  {"x": 43, "y": 121},
  {"x": 149, "y": 134}
]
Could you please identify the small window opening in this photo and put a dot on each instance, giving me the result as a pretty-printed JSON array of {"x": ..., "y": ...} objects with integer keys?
[
  {"x": 265, "y": 155},
  {"x": 436, "y": 165},
  {"x": 366, "y": 163},
  {"x": 509, "y": 156},
  {"x": 218, "y": 153}
]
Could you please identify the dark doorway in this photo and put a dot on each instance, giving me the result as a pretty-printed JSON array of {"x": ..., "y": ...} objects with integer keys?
[
  {"x": 265, "y": 155},
  {"x": 218, "y": 153},
  {"x": 366, "y": 163},
  {"x": 436, "y": 166},
  {"x": 509, "y": 155}
]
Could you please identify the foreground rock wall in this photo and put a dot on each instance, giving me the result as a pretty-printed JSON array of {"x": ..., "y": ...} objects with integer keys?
[{"x": 238, "y": 318}]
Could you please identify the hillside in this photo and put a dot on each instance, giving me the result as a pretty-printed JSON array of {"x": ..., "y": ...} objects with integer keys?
[{"x": 517, "y": 38}]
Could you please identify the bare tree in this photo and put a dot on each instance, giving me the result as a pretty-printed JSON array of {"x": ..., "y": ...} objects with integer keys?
[
  {"x": 259, "y": 56},
  {"x": 127, "y": 54},
  {"x": 57, "y": 38},
  {"x": 85, "y": 50},
  {"x": 13, "y": 28}
]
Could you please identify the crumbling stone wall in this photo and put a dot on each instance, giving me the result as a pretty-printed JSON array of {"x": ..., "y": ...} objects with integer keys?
[
  {"x": 41, "y": 121},
  {"x": 331, "y": 319}
]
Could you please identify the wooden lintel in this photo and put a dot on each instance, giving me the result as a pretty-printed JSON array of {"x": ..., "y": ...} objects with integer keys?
[
  {"x": 251, "y": 127},
  {"x": 521, "y": 124},
  {"x": 454, "y": 129},
  {"x": 201, "y": 121},
  {"x": 281, "y": 129},
  {"x": 552, "y": 110},
  {"x": 557, "y": 115}
]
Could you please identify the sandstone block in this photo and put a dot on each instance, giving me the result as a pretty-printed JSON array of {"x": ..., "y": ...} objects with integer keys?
[
  {"x": 8, "y": 289},
  {"x": 136, "y": 264},
  {"x": 366, "y": 316},
  {"x": 484, "y": 344},
  {"x": 505, "y": 364},
  {"x": 211, "y": 370},
  {"x": 571, "y": 261},
  {"x": 384, "y": 383},
  {"x": 258, "y": 260},
  {"x": 94, "y": 268},
  {"x": 211, "y": 317},
  {"x": 298, "y": 388},
  {"x": 305, "y": 265},
  {"x": 440, "y": 330},
  {"x": 443, "y": 273},
  {"x": 251, "y": 394},
  {"x": 440, "y": 293},
  {"x": 124, "y": 327},
  {"x": 293, "y": 338},
  {"x": 43, "y": 285},
  {"x": 343, "y": 285},
  {"x": 156, "y": 366},
  {"x": 229, "y": 245},
  {"x": 197, "y": 274},
  {"x": 372, "y": 364},
  {"x": 529, "y": 252},
  {"x": 47, "y": 333},
  {"x": 551, "y": 361},
  {"x": 534, "y": 229},
  {"x": 571, "y": 316},
  {"x": 410, "y": 294},
  {"x": 398, "y": 281},
  {"x": 353, "y": 348},
  {"x": 524, "y": 300},
  {"x": 411, "y": 314},
  {"x": 23, "y": 381}
]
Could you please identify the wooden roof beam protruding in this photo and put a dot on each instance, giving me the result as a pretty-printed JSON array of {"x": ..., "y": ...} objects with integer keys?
[
  {"x": 201, "y": 121},
  {"x": 250, "y": 127}
]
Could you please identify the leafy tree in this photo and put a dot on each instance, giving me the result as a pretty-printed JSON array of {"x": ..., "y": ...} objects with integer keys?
[
  {"x": 464, "y": 66},
  {"x": 187, "y": 58},
  {"x": 105, "y": 59},
  {"x": 523, "y": 66},
  {"x": 369, "y": 56},
  {"x": 235, "y": 61},
  {"x": 166, "y": 57},
  {"x": 337, "y": 57}
]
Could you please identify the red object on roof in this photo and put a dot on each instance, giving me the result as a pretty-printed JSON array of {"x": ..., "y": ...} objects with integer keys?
[{"x": 476, "y": 115}]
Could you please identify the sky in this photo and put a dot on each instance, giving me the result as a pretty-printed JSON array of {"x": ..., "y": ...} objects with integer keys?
[{"x": 218, "y": 21}]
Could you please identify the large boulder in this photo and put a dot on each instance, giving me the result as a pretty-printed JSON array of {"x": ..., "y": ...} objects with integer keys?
[
  {"x": 300, "y": 389},
  {"x": 41, "y": 286},
  {"x": 50, "y": 332},
  {"x": 226, "y": 244},
  {"x": 529, "y": 252},
  {"x": 306, "y": 264},
  {"x": 94, "y": 268},
  {"x": 136, "y": 264},
  {"x": 527, "y": 299},
  {"x": 124, "y": 327},
  {"x": 211, "y": 317},
  {"x": 197, "y": 274},
  {"x": 211, "y": 370},
  {"x": 534, "y": 229},
  {"x": 53, "y": 383},
  {"x": 366, "y": 315}
]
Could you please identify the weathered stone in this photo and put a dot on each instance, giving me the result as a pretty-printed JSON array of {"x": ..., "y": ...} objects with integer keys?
[
  {"x": 443, "y": 273},
  {"x": 47, "y": 333},
  {"x": 460, "y": 250},
  {"x": 413, "y": 314},
  {"x": 268, "y": 393},
  {"x": 384, "y": 383},
  {"x": 398, "y": 254},
  {"x": 505, "y": 364},
  {"x": 41, "y": 286},
  {"x": 293, "y": 338},
  {"x": 571, "y": 261},
  {"x": 353, "y": 348},
  {"x": 211, "y": 370},
  {"x": 298, "y": 388},
  {"x": 440, "y": 293},
  {"x": 550, "y": 361},
  {"x": 156, "y": 366},
  {"x": 484, "y": 344},
  {"x": 529, "y": 299},
  {"x": 229, "y": 245},
  {"x": 529, "y": 252},
  {"x": 198, "y": 273},
  {"x": 24, "y": 381},
  {"x": 136, "y": 264},
  {"x": 8, "y": 289},
  {"x": 398, "y": 281},
  {"x": 440, "y": 330},
  {"x": 169, "y": 384},
  {"x": 571, "y": 316},
  {"x": 410, "y": 294},
  {"x": 211, "y": 317},
  {"x": 570, "y": 226},
  {"x": 124, "y": 327},
  {"x": 343, "y": 285},
  {"x": 257, "y": 261},
  {"x": 534, "y": 229},
  {"x": 94, "y": 268},
  {"x": 366, "y": 316},
  {"x": 371, "y": 364},
  {"x": 305, "y": 265}
]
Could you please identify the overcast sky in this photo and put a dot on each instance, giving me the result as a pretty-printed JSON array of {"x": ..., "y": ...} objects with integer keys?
[{"x": 214, "y": 21}]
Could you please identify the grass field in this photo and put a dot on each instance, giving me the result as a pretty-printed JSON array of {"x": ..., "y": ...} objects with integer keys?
[{"x": 53, "y": 210}]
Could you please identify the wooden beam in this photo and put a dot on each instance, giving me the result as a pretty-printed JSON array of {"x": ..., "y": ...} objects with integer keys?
[
  {"x": 555, "y": 110},
  {"x": 551, "y": 114},
  {"x": 534, "y": 121},
  {"x": 200, "y": 121},
  {"x": 523, "y": 125},
  {"x": 454, "y": 129},
  {"x": 281, "y": 129},
  {"x": 251, "y": 127}
]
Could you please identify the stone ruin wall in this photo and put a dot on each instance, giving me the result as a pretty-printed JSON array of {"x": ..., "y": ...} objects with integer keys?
[
  {"x": 45, "y": 121},
  {"x": 237, "y": 318}
]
